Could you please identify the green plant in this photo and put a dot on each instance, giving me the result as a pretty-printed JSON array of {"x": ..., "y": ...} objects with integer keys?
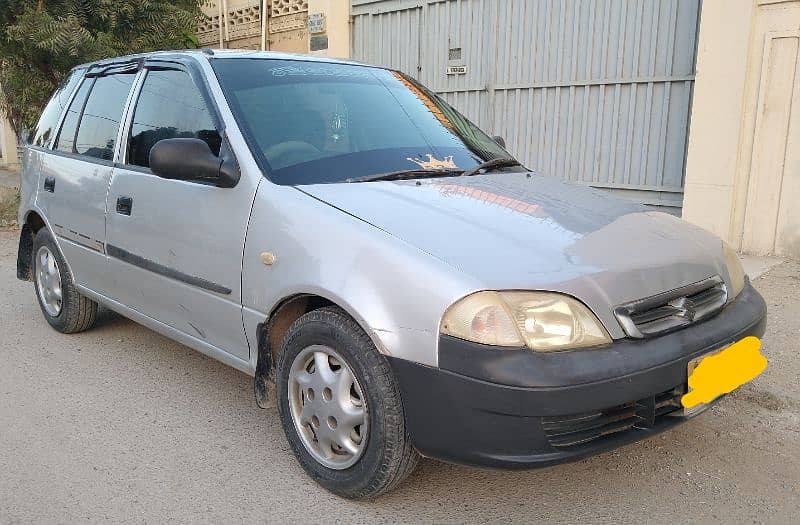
[
  {"x": 9, "y": 203},
  {"x": 41, "y": 40}
]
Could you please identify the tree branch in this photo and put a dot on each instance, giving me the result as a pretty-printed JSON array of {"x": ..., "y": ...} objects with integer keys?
[{"x": 47, "y": 68}]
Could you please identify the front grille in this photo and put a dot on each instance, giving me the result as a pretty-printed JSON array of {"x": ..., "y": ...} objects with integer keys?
[
  {"x": 677, "y": 308},
  {"x": 577, "y": 429}
]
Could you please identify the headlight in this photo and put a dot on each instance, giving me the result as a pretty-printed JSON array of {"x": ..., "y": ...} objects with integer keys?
[
  {"x": 542, "y": 321},
  {"x": 735, "y": 270}
]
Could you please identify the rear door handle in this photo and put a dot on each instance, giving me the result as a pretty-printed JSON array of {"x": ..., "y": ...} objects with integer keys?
[
  {"x": 50, "y": 184},
  {"x": 124, "y": 205}
]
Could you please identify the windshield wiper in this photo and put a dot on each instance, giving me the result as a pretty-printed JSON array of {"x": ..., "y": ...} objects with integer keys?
[
  {"x": 407, "y": 174},
  {"x": 444, "y": 172},
  {"x": 492, "y": 164}
]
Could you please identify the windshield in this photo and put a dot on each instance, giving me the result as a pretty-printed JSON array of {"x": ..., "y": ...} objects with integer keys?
[{"x": 317, "y": 122}]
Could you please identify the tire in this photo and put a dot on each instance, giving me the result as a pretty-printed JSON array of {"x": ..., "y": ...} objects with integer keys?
[
  {"x": 75, "y": 313},
  {"x": 386, "y": 455}
]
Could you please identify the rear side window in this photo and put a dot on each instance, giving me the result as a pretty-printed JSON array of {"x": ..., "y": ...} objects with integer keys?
[
  {"x": 169, "y": 106},
  {"x": 99, "y": 124},
  {"x": 45, "y": 130},
  {"x": 66, "y": 137}
]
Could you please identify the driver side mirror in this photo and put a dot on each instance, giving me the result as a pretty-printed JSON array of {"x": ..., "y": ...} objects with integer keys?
[
  {"x": 500, "y": 141},
  {"x": 192, "y": 160}
]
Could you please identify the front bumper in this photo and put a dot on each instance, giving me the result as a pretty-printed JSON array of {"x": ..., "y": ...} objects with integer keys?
[{"x": 515, "y": 408}]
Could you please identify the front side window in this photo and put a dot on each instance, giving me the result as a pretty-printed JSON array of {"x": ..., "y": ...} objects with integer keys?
[
  {"x": 169, "y": 106},
  {"x": 44, "y": 131},
  {"x": 97, "y": 131},
  {"x": 316, "y": 122}
]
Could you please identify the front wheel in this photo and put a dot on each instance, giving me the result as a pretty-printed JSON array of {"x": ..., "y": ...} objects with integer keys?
[{"x": 340, "y": 407}]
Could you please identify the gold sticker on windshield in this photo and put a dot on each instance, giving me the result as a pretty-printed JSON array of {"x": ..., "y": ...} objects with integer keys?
[{"x": 433, "y": 163}]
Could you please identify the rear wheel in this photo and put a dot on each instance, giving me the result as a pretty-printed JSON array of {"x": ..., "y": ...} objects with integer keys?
[
  {"x": 340, "y": 407},
  {"x": 62, "y": 305}
]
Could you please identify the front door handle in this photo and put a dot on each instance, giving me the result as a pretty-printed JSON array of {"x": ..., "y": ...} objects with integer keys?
[
  {"x": 50, "y": 184},
  {"x": 124, "y": 205}
]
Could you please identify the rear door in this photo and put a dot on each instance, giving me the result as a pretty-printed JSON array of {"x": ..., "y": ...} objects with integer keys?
[
  {"x": 175, "y": 247},
  {"x": 41, "y": 141},
  {"x": 75, "y": 175}
]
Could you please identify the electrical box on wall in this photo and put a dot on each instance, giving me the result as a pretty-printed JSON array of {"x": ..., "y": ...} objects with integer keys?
[
  {"x": 316, "y": 23},
  {"x": 455, "y": 60}
]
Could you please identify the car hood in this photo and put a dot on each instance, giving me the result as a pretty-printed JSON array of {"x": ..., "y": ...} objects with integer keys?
[{"x": 535, "y": 232}]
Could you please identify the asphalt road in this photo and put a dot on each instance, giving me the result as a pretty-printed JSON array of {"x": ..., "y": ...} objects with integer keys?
[{"x": 122, "y": 424}]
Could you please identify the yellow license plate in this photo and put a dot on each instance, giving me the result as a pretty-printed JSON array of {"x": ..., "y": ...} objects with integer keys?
[{"x": 723, "y": 371}]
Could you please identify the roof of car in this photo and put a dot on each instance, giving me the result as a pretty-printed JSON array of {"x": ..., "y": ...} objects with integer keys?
[{"x": 218, "y": 53}]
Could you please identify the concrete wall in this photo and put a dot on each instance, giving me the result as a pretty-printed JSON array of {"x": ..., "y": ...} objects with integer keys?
[
  {"x": 232, "y": 24},
  {"x": 743, "y": 161},
  {"x": 277, "y": 25},
  {"x": 337, "y": 27},
  {"x": 8, "y": 145}
]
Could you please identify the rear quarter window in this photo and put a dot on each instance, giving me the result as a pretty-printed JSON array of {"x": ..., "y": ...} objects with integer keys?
[{"x": 44, "y": 132}]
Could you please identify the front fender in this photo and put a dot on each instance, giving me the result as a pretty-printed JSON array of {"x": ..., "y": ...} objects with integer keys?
[{"x": 396, "y": 292}]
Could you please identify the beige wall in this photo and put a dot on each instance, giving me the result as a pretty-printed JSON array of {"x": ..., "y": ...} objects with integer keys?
[
  {"x": 743, "y": 164},
  {"x": 8, "y": 145},
  {"x": 238, "y": 24},
  {"x": 232, "y": 24},
  {"x": 337, "y": 26}
]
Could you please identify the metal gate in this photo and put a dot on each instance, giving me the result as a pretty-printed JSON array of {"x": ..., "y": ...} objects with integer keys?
[{"x": 595, "y": 91}]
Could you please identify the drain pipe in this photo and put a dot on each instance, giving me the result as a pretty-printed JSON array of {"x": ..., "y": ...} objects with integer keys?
[
  {"x": 264, "y": 25},
  {"x": 221, "y": 37},
  {"x": 225, "y": 7}
]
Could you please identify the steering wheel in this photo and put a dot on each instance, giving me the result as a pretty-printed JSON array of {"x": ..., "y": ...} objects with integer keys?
[{"x": 291, "y": 152}]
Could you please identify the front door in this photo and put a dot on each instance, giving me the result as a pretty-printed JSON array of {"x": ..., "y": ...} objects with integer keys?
[{"x": 175, "y": 247}]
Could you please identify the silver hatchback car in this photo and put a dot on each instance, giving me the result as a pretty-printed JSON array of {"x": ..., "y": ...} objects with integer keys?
[{"x": 410, "y": 288}]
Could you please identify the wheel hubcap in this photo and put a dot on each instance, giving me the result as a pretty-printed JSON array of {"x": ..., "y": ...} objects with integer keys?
[
  {"x": 48, "y": 281},
  {"x": 328, "y": 407}
]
